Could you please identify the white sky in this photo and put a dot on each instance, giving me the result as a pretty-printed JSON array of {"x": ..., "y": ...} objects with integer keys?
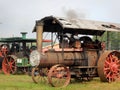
[{"x": 19, "y": 15}]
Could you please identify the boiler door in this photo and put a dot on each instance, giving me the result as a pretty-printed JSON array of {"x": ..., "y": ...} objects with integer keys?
[{"x": 35, "y": 58}]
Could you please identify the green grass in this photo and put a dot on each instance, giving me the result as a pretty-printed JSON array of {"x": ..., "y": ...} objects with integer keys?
[{"x": 24, "y": 82}]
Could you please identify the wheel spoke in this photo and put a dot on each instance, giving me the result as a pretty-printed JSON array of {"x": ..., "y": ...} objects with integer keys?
[
  {"x": 118, "y": 61},
  {"x": 106, "y": 69},
  {"x": 11, "y": 70},
  {"x": 12, "y": 62},
  {"x": 5, "y": 64},
  {"x": 111, "y": 59},
  {"x": 107, "y": 62},
  {"x": 111, "y": 67}
]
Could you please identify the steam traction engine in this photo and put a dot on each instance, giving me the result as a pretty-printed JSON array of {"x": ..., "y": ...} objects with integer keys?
[
  {"x": 83, "y": 58},
  {"x": 14, "y": 54}
]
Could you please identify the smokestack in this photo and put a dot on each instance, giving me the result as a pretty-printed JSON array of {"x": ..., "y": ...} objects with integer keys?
[
  {"x": 23, "y": 35},
  {"x": 39, "y": 32}
]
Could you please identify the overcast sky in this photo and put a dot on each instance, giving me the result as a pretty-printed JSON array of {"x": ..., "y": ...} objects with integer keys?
[{"x": 19, "y": 15}]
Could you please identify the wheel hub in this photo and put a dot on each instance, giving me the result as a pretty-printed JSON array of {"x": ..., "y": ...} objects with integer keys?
[{"x": 113, "y": 67}]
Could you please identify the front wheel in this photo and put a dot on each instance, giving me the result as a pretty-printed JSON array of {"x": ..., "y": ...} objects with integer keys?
[
  {"x": 38, "y": 75},
  {"x": 59, "y": 76}
]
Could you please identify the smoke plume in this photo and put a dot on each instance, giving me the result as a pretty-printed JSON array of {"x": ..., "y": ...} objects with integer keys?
[{"x": 73, "y": 14}]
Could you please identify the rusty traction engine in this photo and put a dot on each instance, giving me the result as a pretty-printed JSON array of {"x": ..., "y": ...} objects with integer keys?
[{"x": 82, "y": 59}]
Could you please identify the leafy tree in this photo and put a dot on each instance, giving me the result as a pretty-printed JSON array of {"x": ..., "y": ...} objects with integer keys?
[{"x": 112, "y": 40}]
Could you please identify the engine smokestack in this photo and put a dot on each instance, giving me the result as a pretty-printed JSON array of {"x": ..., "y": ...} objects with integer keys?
[{"x": 39, "y": 36}]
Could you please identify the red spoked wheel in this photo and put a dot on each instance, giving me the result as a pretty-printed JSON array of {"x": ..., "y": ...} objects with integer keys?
[
  {"x": 59, "y": 76},
  {"x": 9, "y": 64},
  {"x": 109, "y": 66}
]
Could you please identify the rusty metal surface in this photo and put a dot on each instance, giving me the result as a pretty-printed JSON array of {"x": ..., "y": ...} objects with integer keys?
[
  {"x": 69, "y": 58},
  {"x": 82, "y": 60},
  {"x": 70, "y": 25},
  {"x": 101, "y": 62},
  {"x": 88, "y": 24},
  {"x": 39, "y": 37},
  {"x": 92, "y": 58}
]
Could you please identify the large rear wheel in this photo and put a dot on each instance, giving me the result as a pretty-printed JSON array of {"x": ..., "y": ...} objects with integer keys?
[{"x": 109, "y": 66}]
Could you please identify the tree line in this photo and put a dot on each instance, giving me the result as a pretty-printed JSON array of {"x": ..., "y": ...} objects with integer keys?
[{"x": 111, "y": 39}]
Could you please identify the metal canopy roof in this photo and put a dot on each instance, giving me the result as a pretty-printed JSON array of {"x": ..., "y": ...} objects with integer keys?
[
  {"x": 20, "y": 39},
  {"x": 16, "y": 39},
  {"x": 88, "y": 27}
]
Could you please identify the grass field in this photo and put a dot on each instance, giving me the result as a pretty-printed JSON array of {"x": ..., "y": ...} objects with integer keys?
[{"x": 24, "y": 82}]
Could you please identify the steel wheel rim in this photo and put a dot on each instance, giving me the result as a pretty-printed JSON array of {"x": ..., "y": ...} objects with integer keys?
[
  {"x": 59, "y": 76},
  {"x": 9, "y": 65}
]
